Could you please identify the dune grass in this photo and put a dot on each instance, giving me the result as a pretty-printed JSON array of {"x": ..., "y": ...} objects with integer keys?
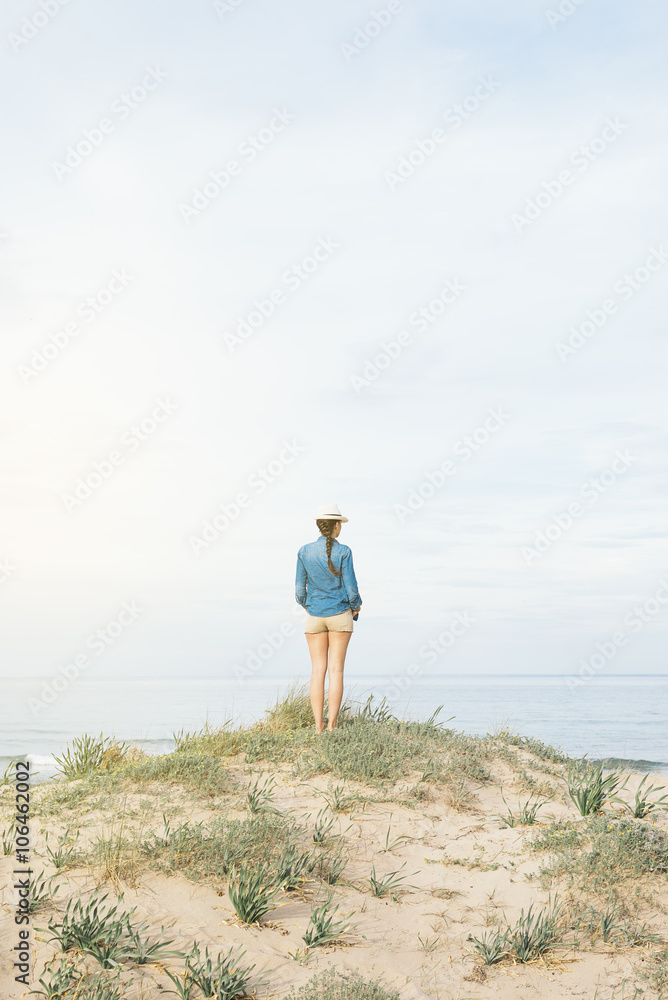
[{"x": 598, "y": 852}]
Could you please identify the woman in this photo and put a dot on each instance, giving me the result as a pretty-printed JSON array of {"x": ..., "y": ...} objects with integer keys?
[{"x": 327, "y": 588}]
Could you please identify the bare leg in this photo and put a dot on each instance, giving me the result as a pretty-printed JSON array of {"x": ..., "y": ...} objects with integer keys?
[
  {"x": 318, "y": 644},
  {"x": 338, "y": 644}
]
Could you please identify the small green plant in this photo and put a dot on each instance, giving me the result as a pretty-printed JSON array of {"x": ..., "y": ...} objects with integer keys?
[
  {"x": 7, "y": 840},
  {"x": 331, "y": 866},
  {"x": 655, "y": 971},
  {"x": 392, "y": 844},
  {"x": 389, "y": 885},
  {"x": 252, "y": 891},
  {"x": 527, "y": 813},
  {"x": 84, "y": 925},
  {"x": 58, "y": 981},
  {"x": 87, "y": 755},
  {"x": 259, "y": 796},
  {"x": 41, "y": 891},
  {"x": 65, "y": 855},
  {"x": 534, "y": 933},
  {"x": 620, "y": 993},
  {"x": 141, "y": 950},
  {"x": 293, "y": 867},
  {"x": 323, "y": 927},
  {"x": 222, "y": 978},
  {"x": 589, "y": 790},
  {"x": 330, "y": 984},
  {"x": 645, "y": 801},
  {"x": 339, "y": 800},
  {"x": 323, "y": 827},
  {"x": 492, "y": 945},
  {"x": 428, "y": 946}
]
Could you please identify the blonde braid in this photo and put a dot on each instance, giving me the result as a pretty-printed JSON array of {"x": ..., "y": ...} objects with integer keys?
[{"x": 325, "y": 528}]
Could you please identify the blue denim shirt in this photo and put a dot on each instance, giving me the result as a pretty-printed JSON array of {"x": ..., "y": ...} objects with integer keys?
[{"x": 319, "y": 590}]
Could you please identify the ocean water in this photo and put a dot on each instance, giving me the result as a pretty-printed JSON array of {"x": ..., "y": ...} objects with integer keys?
[{"x": 618, "y": 717}]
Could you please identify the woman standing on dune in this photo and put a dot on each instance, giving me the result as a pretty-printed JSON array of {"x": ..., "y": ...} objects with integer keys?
[{"x": 326, "y": 587}]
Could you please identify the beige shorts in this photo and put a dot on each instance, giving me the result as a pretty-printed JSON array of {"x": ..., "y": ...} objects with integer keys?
[{"x": 335, "y": 623}]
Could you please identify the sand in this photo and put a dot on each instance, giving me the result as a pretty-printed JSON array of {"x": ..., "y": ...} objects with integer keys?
[{"x": 418, "y": 941}]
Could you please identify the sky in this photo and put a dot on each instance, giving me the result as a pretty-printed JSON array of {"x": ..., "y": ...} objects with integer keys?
[{"x": 405, "y": 257}]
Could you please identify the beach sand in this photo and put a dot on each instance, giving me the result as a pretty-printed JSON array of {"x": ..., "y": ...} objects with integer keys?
[{"x": 463, "y": 873}]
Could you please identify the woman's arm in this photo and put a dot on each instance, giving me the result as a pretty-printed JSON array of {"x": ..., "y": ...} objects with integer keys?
[
  {"x": 301, "y": 583},
  {"x": 349, "y": 581}
]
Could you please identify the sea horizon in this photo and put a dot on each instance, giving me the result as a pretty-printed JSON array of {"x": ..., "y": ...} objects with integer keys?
[{"x": 618, "y": 717}]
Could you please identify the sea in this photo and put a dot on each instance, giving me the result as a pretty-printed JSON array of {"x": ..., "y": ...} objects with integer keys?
[{"x": 615, "y": 718}]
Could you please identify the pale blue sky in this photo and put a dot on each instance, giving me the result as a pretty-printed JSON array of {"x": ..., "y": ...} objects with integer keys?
[{"x": 322, "y": 181}]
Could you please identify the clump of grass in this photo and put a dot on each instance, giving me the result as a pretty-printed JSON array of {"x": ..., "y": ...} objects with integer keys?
[
  {"x": 115, "y": 858},
  {"x": 292, "y": 711},
  {"x": 535, "y": 932},
  {"x": 602, "y": 852},
  {"x": 252, "y": 891},
  {"x": 588, "y": 790},
  {"x": 390, "y": 884},
  {"x": 94, "y": 928},
  {"x": 492, "y": 945},
  {"x": 323, "y": 926},
  {"x": 536, "y": 747},
  {"x": 65, "y": 854},
  {"x": 7, "y": 836},
  {"x": 293, "y": 867},
  {"x": 207, "y": 854},
  {"x": 339, "y": 800},
  {"x": 203, "y": 773},
  {"x": 89, "y": 754},
  {"x": 41, "y": 892},
  {"x": 259, "y": 796},
  {"x": 59, "y": 981},
  {"x": 221, "y": 742},
  {"x": 645, "y": 802},
  {"x": 527, "y": 812},
  {"x": 322, "y": 827},
  {"x": 655, "y": 971},
  {"x": 330, "y": 866},
  {"x": 106, "y": 933},
  {"x": 66, "y": 982},
  {"x": 222, "y": 978},
  {"x": 330, "y": 984}
]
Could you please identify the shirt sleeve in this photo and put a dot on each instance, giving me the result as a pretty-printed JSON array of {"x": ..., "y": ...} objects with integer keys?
[
  {"x": 349, "y": 581},
  {"x": 301, "y": 583}
]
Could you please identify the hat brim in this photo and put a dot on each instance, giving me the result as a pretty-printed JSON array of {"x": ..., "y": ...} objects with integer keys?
[{"x": 330, "y": 517}]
